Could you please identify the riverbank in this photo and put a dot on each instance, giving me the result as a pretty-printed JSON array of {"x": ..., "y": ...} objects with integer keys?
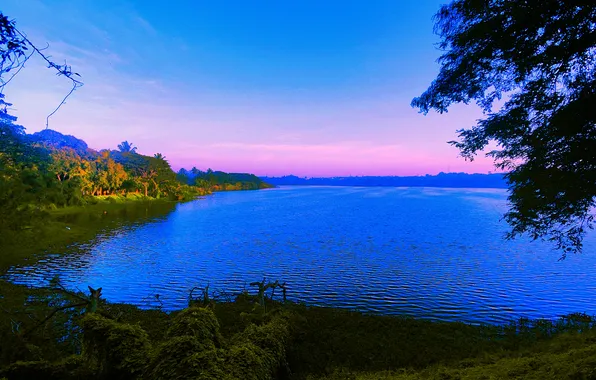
[
  {"x": 251, "y": 337},
  {"x": 57, "y": 228},
  {"x": 248, "y": 337}
]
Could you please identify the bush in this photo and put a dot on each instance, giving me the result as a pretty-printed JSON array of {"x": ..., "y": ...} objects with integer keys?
[
  {"x": 70, "y": 368},
  {"x": 118, "y": 350},
  {"x": 264, "y": 347},
  {"x": 198, "y": 322},
  {"x": 246, "y": 361},
  {"x": 184, "y": 357}
]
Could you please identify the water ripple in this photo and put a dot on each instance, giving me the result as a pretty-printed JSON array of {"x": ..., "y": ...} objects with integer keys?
[{"x": 432, "y": 253}]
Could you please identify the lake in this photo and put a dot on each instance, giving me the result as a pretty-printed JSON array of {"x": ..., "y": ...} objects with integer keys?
[{"x": 424, "y": 252}]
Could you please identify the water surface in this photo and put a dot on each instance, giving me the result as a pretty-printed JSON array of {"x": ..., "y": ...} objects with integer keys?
[{"x": 425, "y": 252}]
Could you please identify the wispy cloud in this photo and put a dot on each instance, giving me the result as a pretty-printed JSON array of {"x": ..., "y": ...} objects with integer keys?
[{"x": 135, "y": 91}]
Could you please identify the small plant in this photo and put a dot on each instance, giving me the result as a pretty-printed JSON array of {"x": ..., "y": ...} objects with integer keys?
[
  {"x": 204, "y": 300},
  {"x": 263, "y": 286}
]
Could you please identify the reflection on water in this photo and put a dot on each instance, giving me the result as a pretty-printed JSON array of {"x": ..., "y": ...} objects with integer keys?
[
  {"x": 133, "y": 212},
  {"x": 433, "y": 253}
]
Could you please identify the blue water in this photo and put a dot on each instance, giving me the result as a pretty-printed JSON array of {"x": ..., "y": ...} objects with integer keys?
[{"x": 424, "y": 252}]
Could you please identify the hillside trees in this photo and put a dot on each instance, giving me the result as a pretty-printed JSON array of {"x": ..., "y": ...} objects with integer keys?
[
  {"x": 108, "y": 176},
  {"x": 126, "y": 147}
]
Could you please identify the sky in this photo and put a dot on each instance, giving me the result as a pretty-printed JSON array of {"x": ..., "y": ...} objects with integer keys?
[{"x": 309, "y": 87}]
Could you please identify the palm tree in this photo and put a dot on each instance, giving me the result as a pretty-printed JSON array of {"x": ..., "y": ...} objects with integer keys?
[
  {"x": 127, "y": 147},
  {"x": 159, "y": 156}
]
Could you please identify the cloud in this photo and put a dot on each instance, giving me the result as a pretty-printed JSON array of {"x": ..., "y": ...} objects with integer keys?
[
  {"x": 361, "y": 148},
  {"x": 135, "y": 91}
]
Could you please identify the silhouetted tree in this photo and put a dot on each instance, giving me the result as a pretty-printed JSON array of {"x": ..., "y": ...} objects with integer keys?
[
  {"x": 16, "y": 49},
  {"x": 12, "y": 46},
  {"x": 540, "y": 57},
  {"x": 126, "y": 147}
]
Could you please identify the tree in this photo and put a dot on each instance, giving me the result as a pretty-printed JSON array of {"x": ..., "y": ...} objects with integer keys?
[
  {"x": 67, "y": 164},
  {"x": 11, "y": 134},
  {"x": 195, "y": 172},
  {"x": 126, "y": 147},
  {"x": 183, "y": 177},
  {"x": 12, "y": 46},
  {"x": 24, "y": 177},
  {"x": 16, "y": 49},
  {"x": 139, "y": 167},
  {"x": 109, "y": 175},
  {"x": 159, "y": 156},
  {"x": 539, "y": 57}
]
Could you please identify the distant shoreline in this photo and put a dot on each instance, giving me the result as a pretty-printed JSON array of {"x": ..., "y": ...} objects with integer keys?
[
  {"x": 445, "y": 180},
  {"x": 392, "y": 186}
]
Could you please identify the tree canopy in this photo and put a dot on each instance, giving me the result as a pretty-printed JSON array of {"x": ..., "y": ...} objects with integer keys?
[
  {"x": 537, "y": 59},
  {"x": 12, "y": 46},
  {"x": 16, "y": 49},
  {"x": 126, "y": 147}
]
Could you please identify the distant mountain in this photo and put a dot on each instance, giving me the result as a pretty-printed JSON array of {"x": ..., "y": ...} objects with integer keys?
[
  {"x": 57, "y": 140},
  {"x": 459, "y": 180}
]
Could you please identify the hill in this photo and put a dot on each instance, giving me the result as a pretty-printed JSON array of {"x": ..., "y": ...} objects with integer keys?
[{"x": 57, "y": 140}]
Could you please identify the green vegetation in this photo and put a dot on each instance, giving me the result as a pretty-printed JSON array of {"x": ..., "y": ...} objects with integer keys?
[
  {"x": 242, "y": 339},
  {"x": 47, "y": 171},
  {"x": 534, "y": 61},
  {"x": 221, "y": 181},
  {"x": 56, "y": 230},
  {"x": 544, "y": 131}
]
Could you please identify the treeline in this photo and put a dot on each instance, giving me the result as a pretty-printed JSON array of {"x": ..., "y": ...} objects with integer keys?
[
  {"x": 48, "y": 169},
  {"x": 457, "y": 180},
  {"x": 221, "y": 181}
]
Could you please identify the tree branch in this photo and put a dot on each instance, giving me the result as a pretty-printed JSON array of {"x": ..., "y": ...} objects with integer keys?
[
  {"x": 51, "y": 315},
  {"x": 65, "y": 70}
]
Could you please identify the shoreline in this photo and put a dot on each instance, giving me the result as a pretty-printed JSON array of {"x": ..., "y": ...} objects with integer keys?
[
  {"x": 321, "y": 343},
  {"x": 313, "y": 342},
  {"x": 58, "y": 228},
  {"x": 61, "y": 227}
]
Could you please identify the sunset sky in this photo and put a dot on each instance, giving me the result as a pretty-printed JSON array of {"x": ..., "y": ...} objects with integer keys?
[{"x": 309, "y": 87}]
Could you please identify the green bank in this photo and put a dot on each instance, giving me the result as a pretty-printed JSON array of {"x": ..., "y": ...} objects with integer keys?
[
  {"x": 52, "y": 333},
  {"x": 55, "y": 333}
]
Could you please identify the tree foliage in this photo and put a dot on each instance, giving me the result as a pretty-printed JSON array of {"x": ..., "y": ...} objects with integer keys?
[
  {"x": 12, "y": 46},
  {"x": 16, "y": 49},
  {"x": 221, "y": 181},
  {"x": 538, "y": 58},
  {"x": 126, "y": 147}
]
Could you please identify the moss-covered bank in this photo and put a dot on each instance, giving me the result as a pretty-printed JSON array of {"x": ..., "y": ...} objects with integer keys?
[{"x": 245, "y": 340}]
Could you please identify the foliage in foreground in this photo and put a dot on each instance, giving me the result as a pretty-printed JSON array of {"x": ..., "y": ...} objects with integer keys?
[
  {"x": 258, "y": 338},
  {"x": 570, "y": 356},
  {"x": 536, "y": 59},
  {"x": 191, "y": 348}
]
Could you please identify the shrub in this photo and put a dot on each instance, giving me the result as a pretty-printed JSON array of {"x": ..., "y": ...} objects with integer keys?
[
  {"x": 70, "y": 368},
  {"x": 118, "y": 350},
  {"x": 184, "y": 357},
  {"x": 265, "y": 347},
  {"x": 197, "y": 322}
]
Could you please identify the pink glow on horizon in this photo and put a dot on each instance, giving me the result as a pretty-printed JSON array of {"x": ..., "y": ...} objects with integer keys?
[{"x": 367, "y": 128}]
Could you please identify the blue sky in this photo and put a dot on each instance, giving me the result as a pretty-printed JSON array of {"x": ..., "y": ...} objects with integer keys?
[{"x": 269, "y": 87}]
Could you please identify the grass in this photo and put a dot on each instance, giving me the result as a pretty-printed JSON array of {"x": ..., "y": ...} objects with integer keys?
[
  {"x": 60, "y": 228},
  {"x": 315, "y": 343},
  {"x": 566, "y": 356}
]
